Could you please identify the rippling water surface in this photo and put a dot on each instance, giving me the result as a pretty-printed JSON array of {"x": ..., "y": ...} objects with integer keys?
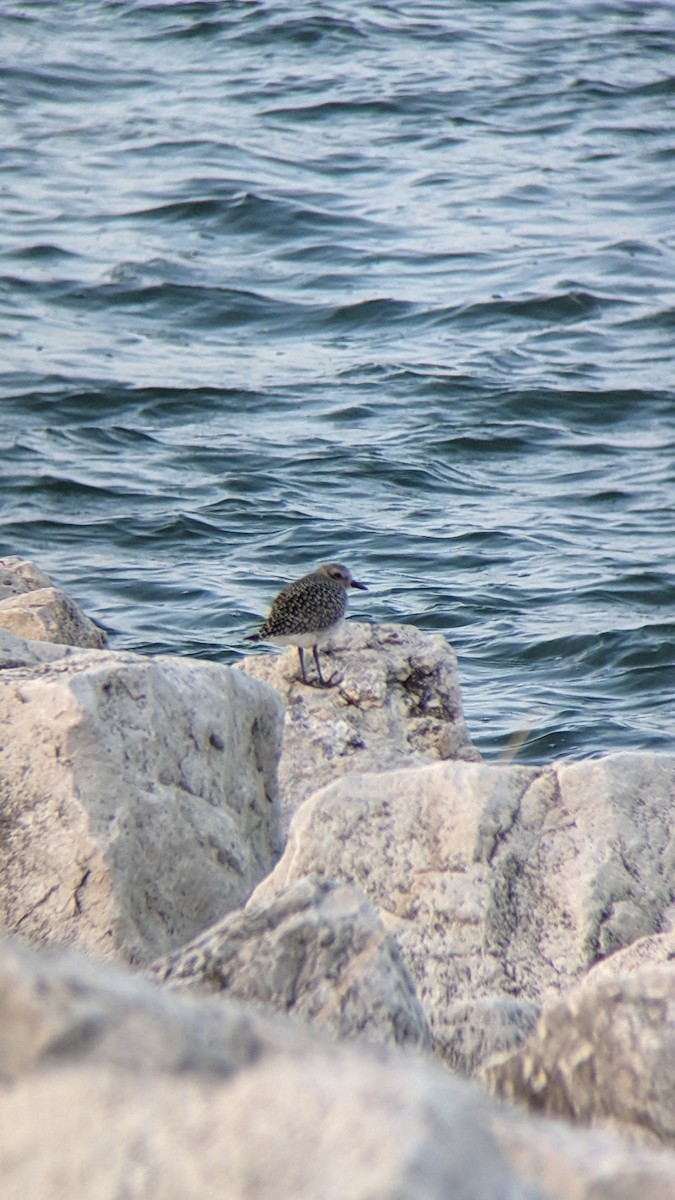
[{"x": 389, "y": 283}]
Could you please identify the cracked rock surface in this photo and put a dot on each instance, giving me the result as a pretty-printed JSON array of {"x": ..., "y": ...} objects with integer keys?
[
  {"x": 395, "y": 703},
  {"x": 317, "y": 951},
  {"x": 603, "y": 1054},
  {"x": 502, "y": 884},
  {"x": 138, "y": 796}
]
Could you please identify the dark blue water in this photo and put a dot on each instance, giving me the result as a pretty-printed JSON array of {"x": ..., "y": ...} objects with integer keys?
[{"x": 387, "y": 283}]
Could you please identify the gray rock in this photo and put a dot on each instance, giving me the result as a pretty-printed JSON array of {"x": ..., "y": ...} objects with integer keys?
[
  {"x": 654, "y": 950},
  {"x": 33, "y": 609},
  {"x": 58, "y": 1008},
  {"x": 477, "y": 1029},
  {"x": 604, "y": 1054},
  {"x": 121, "y": 1089},
  {"x": 396, "y": 703},
  {"x": 139, "y": 796},
  {"x": 497, "y": 881},
  {"x": 20, "y": 575},
  {"x": 317, "y": 951},
  {"x": 16, "y": 652}
]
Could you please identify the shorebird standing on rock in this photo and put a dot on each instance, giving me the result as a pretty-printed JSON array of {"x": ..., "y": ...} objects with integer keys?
[{"x": 308, "y": 612}]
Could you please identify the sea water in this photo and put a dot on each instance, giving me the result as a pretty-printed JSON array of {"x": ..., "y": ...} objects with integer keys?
[{"x": 391, "y": 284}]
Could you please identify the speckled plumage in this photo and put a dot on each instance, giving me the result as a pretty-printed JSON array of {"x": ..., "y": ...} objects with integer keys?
[{"x": 309, "y": 611}]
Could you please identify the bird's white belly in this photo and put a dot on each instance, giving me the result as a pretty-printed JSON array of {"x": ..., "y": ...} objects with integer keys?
[{"x": 306, "y": 639}]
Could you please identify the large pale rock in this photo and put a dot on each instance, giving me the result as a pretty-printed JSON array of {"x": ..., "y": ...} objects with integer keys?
[
  {"x": 298, "y": 1130},
  {"x": 119, "y": 1089},
  {"x": 32, "y": 608},
  {"x": 396, "y": 703},
  {"x": 497, "y": 881},
  {"x": 605, "y": 1053},
  {"x": 58, "y": 1007},
  {"x": 317, "y": 951},
  {"x": 138, "y": 795}
]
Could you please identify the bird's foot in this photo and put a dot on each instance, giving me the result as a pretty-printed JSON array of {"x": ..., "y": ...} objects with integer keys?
[{"x": 322, "y": 683}]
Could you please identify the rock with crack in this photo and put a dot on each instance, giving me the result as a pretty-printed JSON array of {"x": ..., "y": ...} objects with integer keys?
[
  {"x": 138, "y": 796},
  {"x": 499, "y": 882},
  {"x": 477, "y": 1029},
  {"x": 603, "y": 1054},
  {"x": 316, "y": 951},
  {"x": 114, "y": 1087},
  {"x": 396, "y": 703},
  {"x": 653, "y": 950},
  {"x": 32, "y": 608}
]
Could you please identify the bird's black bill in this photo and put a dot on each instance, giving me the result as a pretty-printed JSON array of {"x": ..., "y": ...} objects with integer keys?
[{"x": 361, "y": 586}]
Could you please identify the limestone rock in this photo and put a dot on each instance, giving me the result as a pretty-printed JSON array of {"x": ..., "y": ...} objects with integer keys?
[
  {"x": 497, "y": 881},
  {"x": 317, "y": 951},
  {"x": 602, "y": 1054},
  {"x": 477, "y": 1029},
  {"x": 653, "y": 950},
  {"x": 16, "y": 652},
  {"x": 58, "y": 1007},
  {"x": 20, "y": 575},
  {"x": 33, "y": 609},
  {"x": 298, "y": 1130},
  {"x": 138, "y": 797},
  {"x": 120, "y": 1089},
  {"x": 49, "y": 615},
  {"x": 396, "y": 703}
]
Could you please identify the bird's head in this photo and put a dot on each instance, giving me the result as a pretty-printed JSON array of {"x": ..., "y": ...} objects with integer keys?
[{"x": 342, "y": 575}]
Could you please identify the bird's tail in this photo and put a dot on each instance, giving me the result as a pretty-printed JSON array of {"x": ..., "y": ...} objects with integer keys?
[{"x": 252, "y": 637}]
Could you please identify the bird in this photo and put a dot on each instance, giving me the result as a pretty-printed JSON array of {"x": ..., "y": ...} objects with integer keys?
[{"x": 308, "y": 612}]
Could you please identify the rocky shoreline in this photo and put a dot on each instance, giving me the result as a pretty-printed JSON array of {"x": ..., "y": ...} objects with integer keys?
[{"x": 262, "y": 940}]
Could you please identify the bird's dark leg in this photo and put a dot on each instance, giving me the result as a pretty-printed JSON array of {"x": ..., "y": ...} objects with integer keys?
[
  {"x": 322, "y": 681},
  {"x": 315, "y": 652},
  {"x": 302, "y": 664}
]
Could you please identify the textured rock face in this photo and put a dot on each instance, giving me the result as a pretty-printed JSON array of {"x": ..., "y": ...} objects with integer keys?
[
  {"x": 317, "y": 951},
  {"x": 496, "y": 881},
  {"x": 15, "y": 652},
  {"x": 20, "y": 575},
  {"x": 654, "y": 950},
  {"x": 138, "y": 805},
  {"x": 476, "y": 1030},
  {"x": 138, "y": 796},
  {"x": 604, "y": 1053},
  {"x": 396, "y": 703},
  {"x": 32, "y": 608},
  {"x": 58, "y": 1007},
  {"x": 118, "y": 1089}
]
